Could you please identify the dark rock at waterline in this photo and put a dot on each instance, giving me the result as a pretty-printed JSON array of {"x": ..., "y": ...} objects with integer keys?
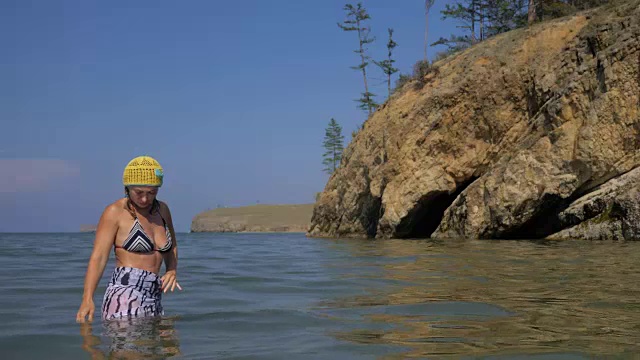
[{"x": 612, "y": 211}]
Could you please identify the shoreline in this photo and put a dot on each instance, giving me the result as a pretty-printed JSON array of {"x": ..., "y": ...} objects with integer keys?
[{"x": 259, "y": 218}]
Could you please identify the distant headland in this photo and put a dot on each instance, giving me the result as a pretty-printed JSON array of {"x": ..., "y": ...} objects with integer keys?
[
  {"x": 255, "y": 218},
  {"x": 88, "y": 228}
]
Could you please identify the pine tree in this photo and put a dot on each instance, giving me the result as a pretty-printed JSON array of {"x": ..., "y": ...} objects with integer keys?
[
  {"x": 427, "y": 6},
  {"x": 466, "y": 12},
  {"x": 531, "y": 12},
  {"x": 356, "y": 16},
  {"x": 454, "y": 43},
  {"x": 486, "y": 18},
  {"x": 504, "y": 15},
  {"x": 387, "y": 64},
  {"x": 483, "y": 19},
  {"x": 333, "y": 144}
]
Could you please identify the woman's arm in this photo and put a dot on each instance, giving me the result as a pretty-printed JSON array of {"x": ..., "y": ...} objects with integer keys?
[
  {"x": 169, "y": 280},
  {"x": 105, "y": 235}
]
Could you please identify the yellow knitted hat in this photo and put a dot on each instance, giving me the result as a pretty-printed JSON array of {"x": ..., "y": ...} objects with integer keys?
[{"x": 143, "y": 171}]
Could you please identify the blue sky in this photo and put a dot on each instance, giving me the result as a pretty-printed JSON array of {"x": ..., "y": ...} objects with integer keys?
[{"x": 231, "y": 97}]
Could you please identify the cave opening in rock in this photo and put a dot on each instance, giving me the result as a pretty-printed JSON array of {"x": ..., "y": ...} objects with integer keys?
[
  {"x": 544, "y": 223},
  {"x": 425, "y": 217},
  {"x": 369, "y": 209}
]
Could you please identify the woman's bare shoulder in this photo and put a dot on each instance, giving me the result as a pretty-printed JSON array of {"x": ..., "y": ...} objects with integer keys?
[
  {"x": 164, "y": 209},
  {"x": 116, "y": 209},
  {"x": 112, "y": 215}
]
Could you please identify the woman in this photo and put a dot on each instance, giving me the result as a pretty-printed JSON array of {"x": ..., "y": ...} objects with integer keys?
[{"x": 140, "y": 229}]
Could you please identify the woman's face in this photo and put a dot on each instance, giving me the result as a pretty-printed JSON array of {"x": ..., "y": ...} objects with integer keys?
[{"x": 143, "y": 196}]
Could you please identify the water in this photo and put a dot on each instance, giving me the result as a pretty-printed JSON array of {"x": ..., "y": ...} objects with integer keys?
[{"x": 275, "y": 296}]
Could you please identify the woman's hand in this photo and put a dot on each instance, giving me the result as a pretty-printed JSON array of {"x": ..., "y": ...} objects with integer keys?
[
  {"x": 86, "y": 310},
  {"x": 169, "y": 281}
]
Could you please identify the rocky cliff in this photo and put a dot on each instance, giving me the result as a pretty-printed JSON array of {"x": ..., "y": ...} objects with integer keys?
[
  {"x": 255, "y": 218},
  {"x": 530, "y": 134}
]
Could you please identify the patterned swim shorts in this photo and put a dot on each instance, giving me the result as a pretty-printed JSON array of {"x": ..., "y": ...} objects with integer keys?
[{"x": 132, "y": 293}]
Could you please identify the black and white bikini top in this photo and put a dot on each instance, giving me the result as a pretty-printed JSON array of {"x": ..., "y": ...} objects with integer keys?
[{"x": 139, "y": 242}]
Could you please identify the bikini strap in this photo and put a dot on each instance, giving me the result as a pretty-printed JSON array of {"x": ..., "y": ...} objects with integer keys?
[
  {"x": 135, "y": 216},
  {"x": 164, "y": 223}
]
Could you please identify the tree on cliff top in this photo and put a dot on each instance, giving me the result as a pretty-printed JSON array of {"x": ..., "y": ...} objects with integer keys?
[
  {"x": 356, "y": 16},
  {"x": 333, "y": 145},
  {"x": 387, "y": 64},
  {"x": 483, "y": 19},
  {"x": 427, "y": 6}
]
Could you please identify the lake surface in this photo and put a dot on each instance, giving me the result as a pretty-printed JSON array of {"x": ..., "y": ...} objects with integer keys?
[{"x": 285, "y": 296}]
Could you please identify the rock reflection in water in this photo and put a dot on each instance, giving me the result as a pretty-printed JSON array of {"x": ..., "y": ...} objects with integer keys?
[
  {"x": 495, "y": 297},
  {"x": 145, "y": 338}
]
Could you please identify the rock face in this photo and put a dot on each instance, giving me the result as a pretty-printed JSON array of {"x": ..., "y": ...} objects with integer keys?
[
  {"x": 256, "y": 218},
  {"x": 504, "y": 140},
  {"x": 610, "y": 212}
]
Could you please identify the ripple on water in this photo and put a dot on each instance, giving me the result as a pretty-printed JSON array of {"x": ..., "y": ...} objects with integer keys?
[{"x": 286, "y": 296}]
